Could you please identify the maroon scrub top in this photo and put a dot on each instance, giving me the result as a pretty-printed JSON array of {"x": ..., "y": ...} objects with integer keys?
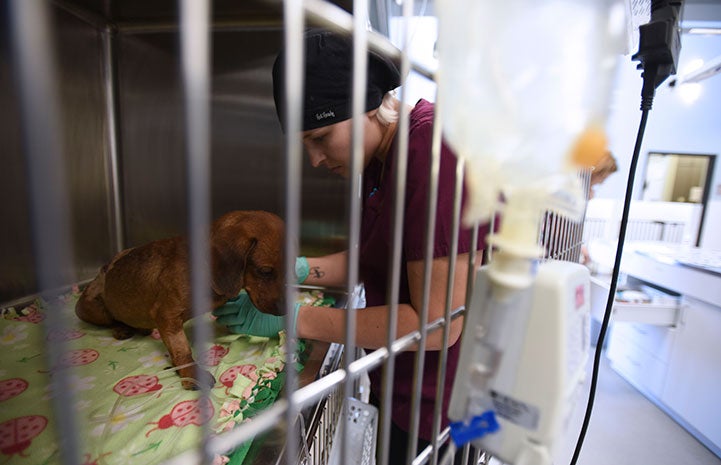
[{"x": 375, "y": 250}]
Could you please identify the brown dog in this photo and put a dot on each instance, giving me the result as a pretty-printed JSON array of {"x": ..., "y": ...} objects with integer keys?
[{"x": 148, "y": 286}]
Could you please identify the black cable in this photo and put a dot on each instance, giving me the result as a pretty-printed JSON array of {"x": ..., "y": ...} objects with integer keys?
[{"x": 647, "y": 94}]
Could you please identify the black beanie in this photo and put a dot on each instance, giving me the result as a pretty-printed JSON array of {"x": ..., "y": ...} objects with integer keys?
[{"x": 329, "y": 79}]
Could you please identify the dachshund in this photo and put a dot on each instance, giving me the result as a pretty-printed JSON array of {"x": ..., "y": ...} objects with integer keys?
[{"x": 148, "y": 287}]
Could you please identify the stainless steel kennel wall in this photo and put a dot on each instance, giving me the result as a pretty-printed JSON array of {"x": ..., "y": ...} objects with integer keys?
[
  {"x": 119, "y": 84},
  {"x": 110, "y": 163}
]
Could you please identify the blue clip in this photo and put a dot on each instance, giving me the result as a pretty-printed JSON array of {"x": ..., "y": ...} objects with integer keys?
[
  {"x": 375, "y": 189},
  {"x": 479, "y": 426}
]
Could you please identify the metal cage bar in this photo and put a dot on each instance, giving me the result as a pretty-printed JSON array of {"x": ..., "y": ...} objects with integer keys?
[
  {"x": 359, "y": 80},
  {"x": 395, "y": 259},
  {"x": 440, "y": 382},
  {"x": 32, "y": 34},
  {"x": 294, "y": 21},
  {"x": 195, "y": 66},
  {"x": 429, "y": 238},
  {"x": 113, "y": 169}
]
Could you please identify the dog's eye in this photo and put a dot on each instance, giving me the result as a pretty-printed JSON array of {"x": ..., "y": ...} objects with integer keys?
[{"x": 265, "y": 272}]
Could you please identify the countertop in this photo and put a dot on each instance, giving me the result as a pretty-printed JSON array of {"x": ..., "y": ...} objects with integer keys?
[{"x": 689, "y": 271}]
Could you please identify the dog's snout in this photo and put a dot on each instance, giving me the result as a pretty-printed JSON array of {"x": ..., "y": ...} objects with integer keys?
[
  {"x": 267, "y": 303},
  {"x": 280, "y": 307},
  {"x": 274, "y": 306}
]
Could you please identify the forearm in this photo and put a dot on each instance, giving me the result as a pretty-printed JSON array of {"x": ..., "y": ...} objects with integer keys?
[
  {"x": 328, "y": 325},
  {"x": 330, "y": 270}
]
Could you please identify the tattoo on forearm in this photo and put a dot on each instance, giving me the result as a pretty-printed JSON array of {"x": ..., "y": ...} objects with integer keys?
[{"x": 316, "y": 272}]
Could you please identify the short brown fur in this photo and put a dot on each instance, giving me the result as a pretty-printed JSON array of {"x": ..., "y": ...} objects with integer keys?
[{"x": 148, "y": 286}]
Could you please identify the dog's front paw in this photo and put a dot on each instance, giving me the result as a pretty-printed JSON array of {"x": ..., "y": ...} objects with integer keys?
[{"x": 199, "y": 378}]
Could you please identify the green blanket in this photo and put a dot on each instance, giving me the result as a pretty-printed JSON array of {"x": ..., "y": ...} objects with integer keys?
[{"x": 129, "y": 404}]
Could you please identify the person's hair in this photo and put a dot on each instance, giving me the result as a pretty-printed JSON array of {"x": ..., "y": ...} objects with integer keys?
[
  {"x": 388, "y": 110},
  {"x": 604, "y": 167}
]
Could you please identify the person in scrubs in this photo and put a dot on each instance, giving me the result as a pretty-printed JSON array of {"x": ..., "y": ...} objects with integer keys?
[{"x": 326, "y": 136}]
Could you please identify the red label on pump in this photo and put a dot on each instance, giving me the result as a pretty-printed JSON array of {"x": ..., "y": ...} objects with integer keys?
[{"x": 580, "y": 299}]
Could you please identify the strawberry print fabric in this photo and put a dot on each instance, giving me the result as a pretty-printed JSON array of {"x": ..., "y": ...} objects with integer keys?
[{"x": 129, "y": 403}]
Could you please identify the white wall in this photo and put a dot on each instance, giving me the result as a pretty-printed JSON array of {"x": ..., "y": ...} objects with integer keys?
[
  {"x": 423, "y": 31},
  {"x": 674, "y": 125}
]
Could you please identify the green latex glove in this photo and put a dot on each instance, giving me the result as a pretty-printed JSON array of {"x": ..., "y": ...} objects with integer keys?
[
  {"x": 302, "y": 270},
  {"x": 240, "y": 316}
]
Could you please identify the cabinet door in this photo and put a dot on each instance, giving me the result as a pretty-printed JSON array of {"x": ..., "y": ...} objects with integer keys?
[
  {"x": 642, "y": 366},
  {"x": 693, "y": 381}
]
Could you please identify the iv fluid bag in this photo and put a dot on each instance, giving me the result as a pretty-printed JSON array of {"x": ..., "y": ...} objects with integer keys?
[{"x": 519, "y": 81}]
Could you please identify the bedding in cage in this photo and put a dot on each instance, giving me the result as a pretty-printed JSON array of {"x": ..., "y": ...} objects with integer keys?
[{"x": 129, "y": 403}]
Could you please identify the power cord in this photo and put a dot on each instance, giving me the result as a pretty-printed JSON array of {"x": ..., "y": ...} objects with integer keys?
[
  {"x": 614, "y": 281},
  {"x": 659, "y": 46}
]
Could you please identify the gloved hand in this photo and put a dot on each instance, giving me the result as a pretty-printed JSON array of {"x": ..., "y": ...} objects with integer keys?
[
  {"x": 302, "y": 270},
  {"x": 240, "y": 316}
]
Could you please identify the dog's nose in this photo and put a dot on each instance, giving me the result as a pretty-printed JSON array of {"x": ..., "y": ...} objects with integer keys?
[{"x": 280, "y": 307}]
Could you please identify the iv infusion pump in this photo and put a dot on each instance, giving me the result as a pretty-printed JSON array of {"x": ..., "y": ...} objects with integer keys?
[{"x": 523, "y": 358}]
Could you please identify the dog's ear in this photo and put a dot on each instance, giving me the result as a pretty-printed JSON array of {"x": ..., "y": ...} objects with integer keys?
[{"x": 228, "y": 267}]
